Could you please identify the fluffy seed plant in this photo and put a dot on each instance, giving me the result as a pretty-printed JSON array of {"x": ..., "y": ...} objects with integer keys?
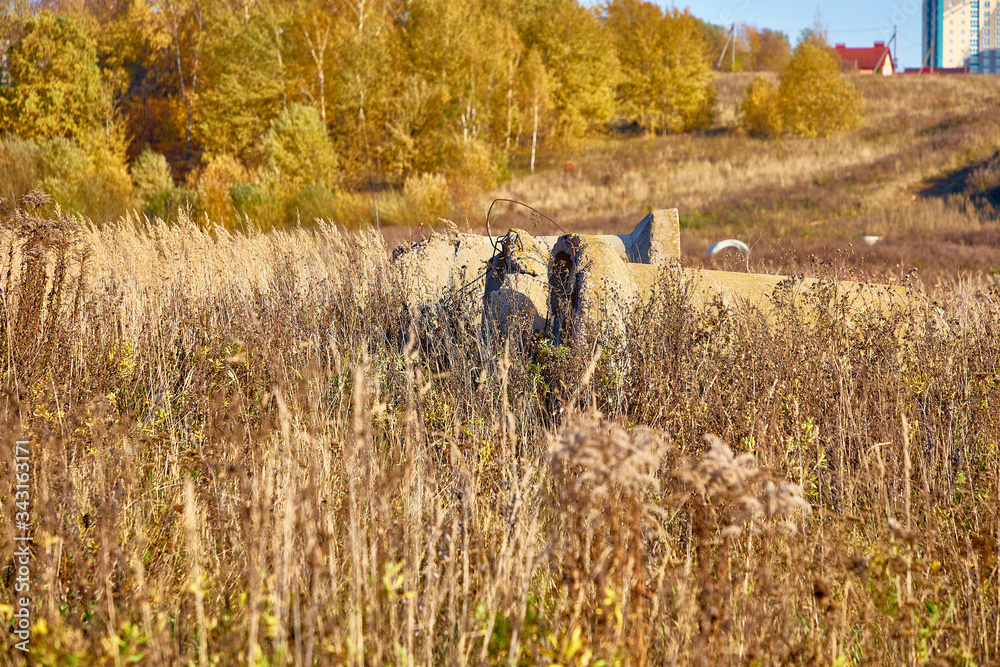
[
  {"x": 629, "y": 591},
  {"x": 727, "y": 495},
  {"x": 601, "y": 516},
  {"x": 41, "y": 284}
]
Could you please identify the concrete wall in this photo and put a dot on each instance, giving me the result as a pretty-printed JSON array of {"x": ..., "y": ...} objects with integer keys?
[
  {"x": 574, "y": 285},
  {"x": 592, "y": 291},
  {"x": 510, "y": 273}
]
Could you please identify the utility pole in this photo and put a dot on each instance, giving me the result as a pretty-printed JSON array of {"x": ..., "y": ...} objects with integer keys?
[
  {"x": 895, "y": 48},
  {"x": 730, "y": 35},
  {"x": 889, "y": 50}
]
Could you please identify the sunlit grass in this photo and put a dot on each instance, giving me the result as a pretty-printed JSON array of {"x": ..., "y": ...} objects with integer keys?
[{"x": 248, "y": 449}]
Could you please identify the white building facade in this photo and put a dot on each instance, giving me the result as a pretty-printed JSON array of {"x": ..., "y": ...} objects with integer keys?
[{"x": 963, "y": 34}]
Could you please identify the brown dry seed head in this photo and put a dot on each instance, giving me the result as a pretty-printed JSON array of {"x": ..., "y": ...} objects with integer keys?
[
  {"x": 596, "y": 458},
  {"x": 721, "y": 473}
]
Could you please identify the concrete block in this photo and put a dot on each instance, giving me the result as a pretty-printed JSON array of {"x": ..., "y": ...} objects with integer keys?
[
  {"x": 591, "y": 291},
  {"x": 513, "y": 268},
  {"x": 517, "y": 284}
]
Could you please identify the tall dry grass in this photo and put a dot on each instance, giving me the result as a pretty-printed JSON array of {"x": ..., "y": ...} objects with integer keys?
[{"x": 247, "y": 449}]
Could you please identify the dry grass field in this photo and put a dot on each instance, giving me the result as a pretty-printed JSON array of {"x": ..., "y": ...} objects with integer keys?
[{"x": 246, "y": 449}]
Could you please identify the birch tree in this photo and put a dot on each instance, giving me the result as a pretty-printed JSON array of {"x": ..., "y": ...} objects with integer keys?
[
  {"x": 664, "y": 72},
  {"x": 580, "y": 60}
]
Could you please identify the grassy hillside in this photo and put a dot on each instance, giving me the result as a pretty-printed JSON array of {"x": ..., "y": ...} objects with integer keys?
[{"x": 922, "y": 172}]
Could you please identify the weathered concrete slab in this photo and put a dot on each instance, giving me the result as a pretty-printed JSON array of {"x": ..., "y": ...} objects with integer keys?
[
  {"x": 575, "y": 284},
  {"x": 656, "y": 240},
  {"x": 483, "y": 266},
  {"x": 592, "y": 290},
  {"x": 517, "y": 284},
  {"x": 453, "y": 263}
]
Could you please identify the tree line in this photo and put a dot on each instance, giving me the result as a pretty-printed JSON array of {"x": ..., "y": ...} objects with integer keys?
[{"x": 274, "y": 108}]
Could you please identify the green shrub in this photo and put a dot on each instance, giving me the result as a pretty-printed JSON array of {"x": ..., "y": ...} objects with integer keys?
[
  {"x": 298, "y": 149},
  {"x": 311, "y": 202},
  {"x": 257, "y": 202},
  {"x": 154, "y": 184},
  {"x": 759, "y": 114},
  {"x": 105, "y": 190},
  {"x": 62, "y": 160}
]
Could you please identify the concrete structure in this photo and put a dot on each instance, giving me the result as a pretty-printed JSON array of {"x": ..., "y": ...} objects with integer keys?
[
  {"x": 576, "y": 285},
  {"x": 517, "y": 284},
  {"x": 867, "y": 60},
  {"x": 505, "y": 269},
  {"x": 962, "y": 34},
  {"x": 592, "y": 291},
  {"x": 443, "y": 265}
]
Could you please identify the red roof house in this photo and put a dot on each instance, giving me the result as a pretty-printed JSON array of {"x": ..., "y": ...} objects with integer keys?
[{"x": 869, "y": 60}]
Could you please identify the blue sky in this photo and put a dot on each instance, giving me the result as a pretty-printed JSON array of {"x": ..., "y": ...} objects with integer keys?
[{"x": 853, "y": 22}]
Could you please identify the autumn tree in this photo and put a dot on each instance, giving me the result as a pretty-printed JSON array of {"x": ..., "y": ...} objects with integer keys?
[
  {"x": 362, "y": 74},
  {"x": 185, "y": 27},
  {"x": 814, "y": 98},
  {"x": 12, "y": 18},
  {"x": 244, "y": 77},
  {"x": 401, "y": 89},
  {"x": 57, "y": 89},
  {"x": 537, "y": 95},
  {"x": 154, "y": 185},
  {"x": 298, "y": 149},
  {"x": 319, "y": 40},
  {"x": 580, "y": 60},
  {"x": 58, "y": 101},
  {"x": 664, "y": 74},
  {"x": 758, "y": 113},
  {"x": 461, "y": 93},
  {"x": 766, "y": 50}
]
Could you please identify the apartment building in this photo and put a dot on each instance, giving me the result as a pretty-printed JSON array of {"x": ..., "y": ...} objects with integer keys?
[{"x": 962, "y": 34}]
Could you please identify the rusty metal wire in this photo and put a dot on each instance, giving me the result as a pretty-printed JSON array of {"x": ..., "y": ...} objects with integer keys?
[{"x": 519, "y": 203}]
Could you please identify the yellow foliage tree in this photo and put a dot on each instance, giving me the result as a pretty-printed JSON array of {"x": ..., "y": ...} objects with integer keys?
[
  {"x": 297, "y": 149},
  {"x": 56, "y": 86},
  {"x": 759, "y": 114},
  {"x": 537, "y": 95},
  {"x": 814, "y": 99},
  {"x": 214, "y": 186},
  {"x": 245, "y": 81},
  {"x": 767, "y": 50},
  {"x": 468, "y": 90},
  {"x": 664, "y": 74},
  {"x": 154, "y": 184},
  {"x": 580, "y": 62}
]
